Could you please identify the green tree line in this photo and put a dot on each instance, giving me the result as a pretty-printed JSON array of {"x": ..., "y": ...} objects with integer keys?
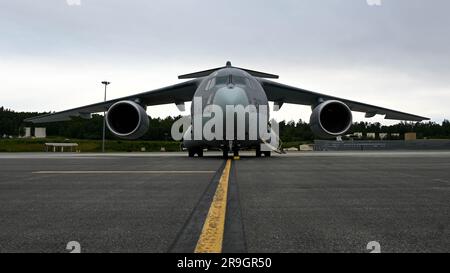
[{"x": 11, "y": 123}]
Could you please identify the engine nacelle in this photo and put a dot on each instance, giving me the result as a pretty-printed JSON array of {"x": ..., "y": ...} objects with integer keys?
[
  {"x": 127, "y": 119},
  {"x": 330, "y": 119}
]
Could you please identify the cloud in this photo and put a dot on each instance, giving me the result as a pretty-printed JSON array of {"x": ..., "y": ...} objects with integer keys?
[
  {"x": 73, "y": 2},
  {"x": 374, "y": 2},
  {"x": 395, "y": 55}
]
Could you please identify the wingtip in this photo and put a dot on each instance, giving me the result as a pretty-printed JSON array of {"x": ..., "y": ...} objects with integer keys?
[{"x": 420, "y": 118}]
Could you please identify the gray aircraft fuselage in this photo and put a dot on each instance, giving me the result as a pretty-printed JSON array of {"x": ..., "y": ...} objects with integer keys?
[{"x": 225, "y": 87}]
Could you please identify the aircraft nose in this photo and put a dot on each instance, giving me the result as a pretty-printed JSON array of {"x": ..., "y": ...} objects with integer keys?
[{"x": 230, "y": 95}]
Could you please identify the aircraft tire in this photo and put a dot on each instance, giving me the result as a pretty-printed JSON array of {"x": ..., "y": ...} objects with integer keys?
[
  {"x": 225, "y": 153},
  {"x": 258, "y": 152}
]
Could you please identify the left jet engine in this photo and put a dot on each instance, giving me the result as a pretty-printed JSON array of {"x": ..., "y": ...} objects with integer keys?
[{"x": 127, "y": 119}]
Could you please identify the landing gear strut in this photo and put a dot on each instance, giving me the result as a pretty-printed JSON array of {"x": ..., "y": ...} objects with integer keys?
[
  {"x": 225, "y": 153},
  {"x": 258, "y": 151}
]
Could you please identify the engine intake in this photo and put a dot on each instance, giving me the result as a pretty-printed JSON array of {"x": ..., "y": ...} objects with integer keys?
[
  {"x": 127, "y": 119},
  {"x": 330, "y": 119}
]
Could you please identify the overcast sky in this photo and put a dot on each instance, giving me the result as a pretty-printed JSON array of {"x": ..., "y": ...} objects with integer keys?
[{"x": 53, "y": 56}]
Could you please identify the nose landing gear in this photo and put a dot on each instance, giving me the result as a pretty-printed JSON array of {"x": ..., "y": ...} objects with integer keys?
[
  {"x": 225, "y": 153},
  {"x": 230, "y": 147}
]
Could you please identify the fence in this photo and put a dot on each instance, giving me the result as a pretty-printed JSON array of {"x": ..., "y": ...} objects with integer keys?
[{"x": 362, "y": 145}]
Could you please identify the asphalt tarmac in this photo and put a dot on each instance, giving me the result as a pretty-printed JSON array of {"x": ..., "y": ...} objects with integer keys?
[{"x": 158, "y": 202}]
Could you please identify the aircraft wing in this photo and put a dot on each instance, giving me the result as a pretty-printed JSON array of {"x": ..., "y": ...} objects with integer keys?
[
  {"x": 281, "y": 93},
  {"x": 177, "y": 93}
]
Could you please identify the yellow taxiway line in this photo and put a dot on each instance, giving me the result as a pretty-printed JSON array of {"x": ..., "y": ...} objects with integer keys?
[{"x": 211, "y": 238}]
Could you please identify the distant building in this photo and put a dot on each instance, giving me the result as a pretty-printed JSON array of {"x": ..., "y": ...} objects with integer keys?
[
  {"x": 410, "y": 136},
  {"x": 27, "y": 132},
  {"x": 358, "y": 134},
  {"x": 371, "y": 135},
  {"x": 306, "y": 147},
  {"x": 383, "y": 136},
  {"x": 40, "y": 132}
]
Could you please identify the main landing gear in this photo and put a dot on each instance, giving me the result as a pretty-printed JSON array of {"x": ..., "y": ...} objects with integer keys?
[
  {"x": 193, "y": 152},
  {"x": 259, "y": 153},
  {"x": 199, "y": 152}
]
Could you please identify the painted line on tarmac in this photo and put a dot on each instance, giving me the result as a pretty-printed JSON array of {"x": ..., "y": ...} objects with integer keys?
[
  {"x": 187, "y": 237},
  {"x": 123, "y": 172},
  {"x": 234, "y": 240},
  {"x": 211, "y": 237}
]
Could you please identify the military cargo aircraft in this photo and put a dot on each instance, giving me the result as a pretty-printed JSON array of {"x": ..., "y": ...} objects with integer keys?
[{"x": 224, "y": 86}]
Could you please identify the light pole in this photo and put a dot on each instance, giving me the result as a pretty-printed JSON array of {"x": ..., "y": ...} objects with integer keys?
[{"x": 104, "y": 119}]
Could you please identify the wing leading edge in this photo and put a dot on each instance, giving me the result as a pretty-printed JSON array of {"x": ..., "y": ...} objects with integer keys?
[
  {"x": 177, "y": 93},
  {"x": 282, "y": 93}
]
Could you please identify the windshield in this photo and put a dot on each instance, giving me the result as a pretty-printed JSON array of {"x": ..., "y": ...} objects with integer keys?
[
  {"x": 238, "y": 80},
  {"x": 224, "y": 80}
]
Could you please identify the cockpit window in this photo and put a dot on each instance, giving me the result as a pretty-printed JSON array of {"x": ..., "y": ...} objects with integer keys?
[
  {"x": 223, "y": 80},
  {"x": 238, "y": 80}
]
